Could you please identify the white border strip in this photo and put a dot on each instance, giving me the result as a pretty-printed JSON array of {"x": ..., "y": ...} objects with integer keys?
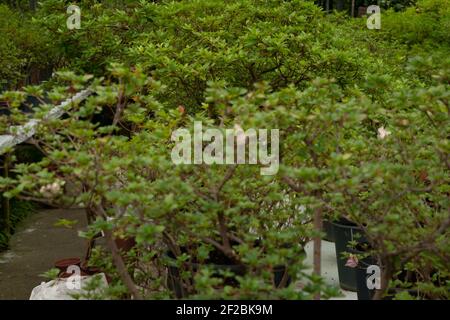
[{"x": 26, "y": 131}]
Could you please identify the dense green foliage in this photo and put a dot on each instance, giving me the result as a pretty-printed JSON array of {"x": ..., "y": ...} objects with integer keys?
[
  {"x": 23, "y": 49},
  {"x": 363, "y": 118},
  {"x": 19, "y": 211}
]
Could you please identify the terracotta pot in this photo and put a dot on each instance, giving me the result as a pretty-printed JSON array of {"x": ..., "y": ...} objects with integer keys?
[
  {"x": 91, "y": 270},
  {"x": 63, "y": 264},
  {"x": 125, "y": 244}
]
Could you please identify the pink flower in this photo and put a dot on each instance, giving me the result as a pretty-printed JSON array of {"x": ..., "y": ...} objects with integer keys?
[{"x": 352, "y": 262}]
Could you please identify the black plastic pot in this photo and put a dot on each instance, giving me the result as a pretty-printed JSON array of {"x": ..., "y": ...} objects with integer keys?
[
  {"x": 345, "y": 232},
  {"x": 329, "y": 231},
  {"x": 363, "y": 291},
  {"x": 175, "y": 284}
]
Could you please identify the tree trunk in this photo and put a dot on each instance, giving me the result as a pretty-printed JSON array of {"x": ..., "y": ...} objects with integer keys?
[
  {"x": 317, "y": 246},
  {"x": 121, "y": 267},
  {"x": 386, "y": 274}
]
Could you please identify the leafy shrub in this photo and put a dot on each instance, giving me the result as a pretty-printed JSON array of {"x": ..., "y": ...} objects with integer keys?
[
  {"x": 425, "y": 24},
  {"x": 23, "y": 49},
  {"x": 363, "y": 135},
  {"x": 332, "y": 163},
  {"x": 242, "y": 42},
  {"x": 397, "y": 5}
]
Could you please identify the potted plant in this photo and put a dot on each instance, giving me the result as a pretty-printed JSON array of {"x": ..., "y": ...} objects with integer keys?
[
  {"x": 328, "y": 230},
  {"x": 397, "y": 192},
  {"x": 347, "y": 235},
  {"x": 226, "y": 271}
]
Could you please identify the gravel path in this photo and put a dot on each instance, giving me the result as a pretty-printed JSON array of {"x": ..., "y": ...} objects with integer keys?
[{"x": 35, "y": 247}]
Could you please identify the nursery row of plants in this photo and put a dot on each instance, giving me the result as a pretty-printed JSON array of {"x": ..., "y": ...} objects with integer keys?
[
  {"x": 363, "y": 120},
  {"x": 19, "y": 211},
  {"x": 14, "y": 211}
]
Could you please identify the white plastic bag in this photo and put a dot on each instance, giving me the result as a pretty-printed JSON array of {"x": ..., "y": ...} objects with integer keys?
[{"x": 64, "y": 289}]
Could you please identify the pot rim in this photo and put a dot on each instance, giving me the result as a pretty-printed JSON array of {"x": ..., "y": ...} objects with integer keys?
[
  {"x": 65, "y": 262},
  {"x": 346, "y": 226}
]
